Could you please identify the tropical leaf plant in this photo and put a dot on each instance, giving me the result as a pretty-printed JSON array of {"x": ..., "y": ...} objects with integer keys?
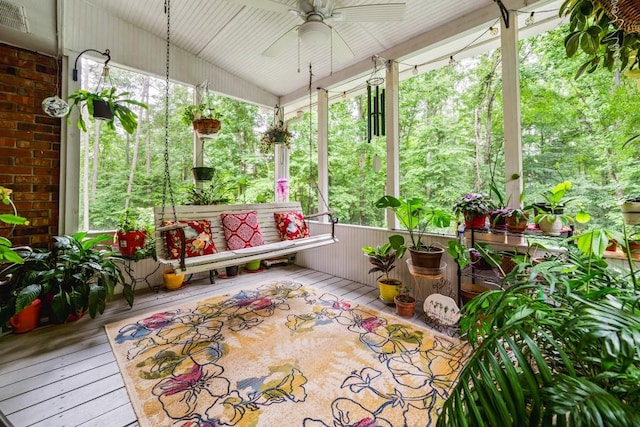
[{"x": 560, "y": 346}]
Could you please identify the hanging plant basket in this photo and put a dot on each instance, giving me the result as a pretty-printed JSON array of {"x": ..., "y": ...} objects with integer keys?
[
  {"x": 203, "y": 173},
  {"x": 101, "y": 110},
  {"x": 626, "y": 16},
  {"x": 206, "y": 127}
]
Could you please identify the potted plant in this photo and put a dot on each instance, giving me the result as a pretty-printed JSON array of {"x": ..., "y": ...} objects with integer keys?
[
  {"x": 416, "y": 218},
  {"x": 557, "y": 347},
  {"x": 474, "y": 207},
  {"x": 516, "y": 220},
  {"x": 107, "y": 105},
  {"x": 607, "y": 31},
  {"x": 130, "y": 234},
  {"x": 81, "y": 276},
  {"x": 203, "y": 117},
  {"x": 550, "y": 215},
  {"x": 383, "y": 259},
  {"x": 405, "y": 302},
  {"x": 278, "y": 133},
  {"x": 631, "y": 210}
]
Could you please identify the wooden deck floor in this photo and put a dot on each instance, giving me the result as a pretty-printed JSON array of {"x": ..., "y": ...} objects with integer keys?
[{"x": 66, "y": 375}]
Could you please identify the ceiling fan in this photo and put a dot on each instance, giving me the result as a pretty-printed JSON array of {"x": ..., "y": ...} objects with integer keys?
[{"x": 318, "y": 17}]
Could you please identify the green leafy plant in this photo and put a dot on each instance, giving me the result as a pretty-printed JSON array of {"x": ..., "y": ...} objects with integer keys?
[
  {"x": 414, "y": 217},
  {"x": 82, "y": 275},
  {"x": 593, "y": 31},
  {"x": 204, "y": 110},
  {"x": 559, "y": 346},
  {"x": 117, "y": 103},
  {"x": 7, "y": 254},
  {"x": 383, "y": 259},
  {"x": 555, "y": 201}
]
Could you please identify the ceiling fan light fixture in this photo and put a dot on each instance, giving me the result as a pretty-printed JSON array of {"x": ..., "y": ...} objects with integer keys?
[{"x": 314, "y": 33}]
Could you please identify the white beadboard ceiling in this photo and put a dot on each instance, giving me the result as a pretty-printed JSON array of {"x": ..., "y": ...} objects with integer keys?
[{"x": 231, "y": 36}]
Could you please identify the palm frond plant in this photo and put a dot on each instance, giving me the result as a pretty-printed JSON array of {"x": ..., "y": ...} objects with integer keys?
[{"x": 560, "y": 346}]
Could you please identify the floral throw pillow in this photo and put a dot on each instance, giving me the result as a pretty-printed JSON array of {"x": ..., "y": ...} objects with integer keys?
[
  {"x": 291, "y": 225},
  {"x": 197, "y": 236},
  {"x": 241, "y": 230}
]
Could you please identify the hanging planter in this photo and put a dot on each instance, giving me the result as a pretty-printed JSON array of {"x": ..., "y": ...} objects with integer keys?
[
  {"x": 206, "y": 128},
  {"x": 276, "y": 133},
  {"x": 101, "y": 110},
  {"x": 202, "y": 173}
]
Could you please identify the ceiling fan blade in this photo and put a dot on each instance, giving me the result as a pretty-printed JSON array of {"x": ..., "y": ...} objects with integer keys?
[
  {"x": 371, "y": 12},
  {"x": 287, "y": 39},
  {"x": 340, "y": 48},
  {"x": 269, "y": 5}
]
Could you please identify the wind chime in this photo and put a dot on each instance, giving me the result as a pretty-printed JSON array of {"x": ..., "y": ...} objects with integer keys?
[{"x": 375, "y": 104}]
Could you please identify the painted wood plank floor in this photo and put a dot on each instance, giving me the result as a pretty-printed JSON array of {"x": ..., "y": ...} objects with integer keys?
[{"x": 66, "y": 375}]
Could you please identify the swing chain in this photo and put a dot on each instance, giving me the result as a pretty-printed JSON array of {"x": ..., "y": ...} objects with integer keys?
[{"x": 167, "y": 175}]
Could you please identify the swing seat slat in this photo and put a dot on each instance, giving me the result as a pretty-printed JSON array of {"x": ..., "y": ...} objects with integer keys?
[{"x": 273, "y": 247}]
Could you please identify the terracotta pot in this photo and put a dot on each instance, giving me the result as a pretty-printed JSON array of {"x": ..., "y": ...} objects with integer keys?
[
  {"x": 52, "y": 316},
  {"x": 612, "y": 246},
  {"x": 426, "y": 258},
  {"x": 389, "y": 289},
  {"x": 27, "y": 319},
  {"x": 474, "y": 221},
  {"x": 634, "y": 247},
  {"x": 405, "y": 305},
  {"x": 517, "y": 225},
  {"x": 205, "y": 127},
  {"x": 131, "y": 241},
  {"x": 172, "y": 281},
  {"x": 468, "y": 291}
]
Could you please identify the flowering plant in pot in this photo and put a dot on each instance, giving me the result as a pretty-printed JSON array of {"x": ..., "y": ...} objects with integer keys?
[
  {"x": 474, "y": 207},
  {"x": 278, "y": 133},
  {"x": 415, "y": 217},
  {"x": 383, "y": 259}
]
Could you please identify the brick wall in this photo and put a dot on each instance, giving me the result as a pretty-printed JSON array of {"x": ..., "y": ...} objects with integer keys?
[{"x": 29, "y": 143}]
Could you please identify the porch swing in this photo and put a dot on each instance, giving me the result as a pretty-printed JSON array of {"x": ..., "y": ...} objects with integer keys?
[{"x": 183, "y": 217}]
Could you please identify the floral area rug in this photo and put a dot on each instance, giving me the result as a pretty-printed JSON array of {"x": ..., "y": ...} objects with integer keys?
[{"x": 283, "y": 354}]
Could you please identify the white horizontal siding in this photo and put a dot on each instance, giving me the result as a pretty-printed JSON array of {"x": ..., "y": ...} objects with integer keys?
[{"x": 88, "y": 27}]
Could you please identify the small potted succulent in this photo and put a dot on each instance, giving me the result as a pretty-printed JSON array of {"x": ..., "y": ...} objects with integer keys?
[{"x": 474, "y": 207}]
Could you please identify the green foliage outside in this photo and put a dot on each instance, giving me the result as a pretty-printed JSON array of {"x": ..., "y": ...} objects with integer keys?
[{"x": 451, "y": 138}]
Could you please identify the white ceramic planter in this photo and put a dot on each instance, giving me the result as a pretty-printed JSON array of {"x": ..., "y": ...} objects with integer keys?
[
  {"x": 631, "y": 212},
  {"x": 553, "y": 228}
]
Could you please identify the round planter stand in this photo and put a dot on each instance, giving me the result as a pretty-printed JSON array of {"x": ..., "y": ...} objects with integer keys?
[{"x": 631, "y": 212}]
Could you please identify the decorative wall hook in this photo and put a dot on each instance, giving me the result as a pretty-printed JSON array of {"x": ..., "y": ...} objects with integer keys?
[{"x": 106, "y": 53}]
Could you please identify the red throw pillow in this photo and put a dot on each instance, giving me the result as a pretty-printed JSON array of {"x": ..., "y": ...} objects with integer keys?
[
  {"x": 241, "y": 230},
  {"x": 291, "y": 225},
  {"x": 197, "y": 236}
]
